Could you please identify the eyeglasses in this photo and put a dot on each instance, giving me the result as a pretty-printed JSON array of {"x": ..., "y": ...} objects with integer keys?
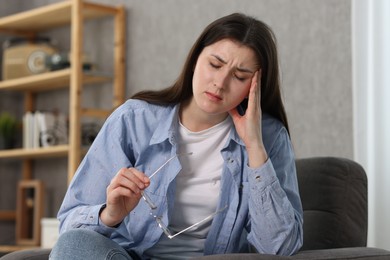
[{"x": 158, "y": 219}]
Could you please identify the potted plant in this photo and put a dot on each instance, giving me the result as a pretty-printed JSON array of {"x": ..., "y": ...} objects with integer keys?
[{"x": 8, "y": 129}]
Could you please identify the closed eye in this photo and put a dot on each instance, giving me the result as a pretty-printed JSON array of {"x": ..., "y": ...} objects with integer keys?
[
  {"x": 239, "y": 78},
  {"x": 215, "y": 66}
]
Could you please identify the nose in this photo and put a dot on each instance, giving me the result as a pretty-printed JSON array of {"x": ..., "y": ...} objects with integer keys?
[{"x": 221, "y": 79}]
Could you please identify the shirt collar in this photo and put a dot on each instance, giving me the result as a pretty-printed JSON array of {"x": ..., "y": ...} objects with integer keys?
[
  {"x": 167, "y": 129},
  {"x": 235, "y": 137}
]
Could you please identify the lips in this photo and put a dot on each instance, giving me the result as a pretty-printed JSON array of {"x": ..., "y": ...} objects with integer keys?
[{"x": 213, "y": 96}]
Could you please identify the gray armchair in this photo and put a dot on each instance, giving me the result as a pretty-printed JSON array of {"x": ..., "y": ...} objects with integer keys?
[{"x": 334, "y": 198}]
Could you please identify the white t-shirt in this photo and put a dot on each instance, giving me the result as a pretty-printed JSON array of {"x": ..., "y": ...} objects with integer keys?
[{"x": 197, "y": 191}]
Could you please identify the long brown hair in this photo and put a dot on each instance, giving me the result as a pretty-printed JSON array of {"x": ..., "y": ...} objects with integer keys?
[{"x": 247, "y": 31}]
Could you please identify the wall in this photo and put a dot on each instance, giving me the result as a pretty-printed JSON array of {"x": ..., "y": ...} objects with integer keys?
[{"x": 314, "y": 38}]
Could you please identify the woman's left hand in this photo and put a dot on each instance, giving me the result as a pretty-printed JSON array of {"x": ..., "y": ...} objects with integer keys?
[{"x": 248, "y": 126}]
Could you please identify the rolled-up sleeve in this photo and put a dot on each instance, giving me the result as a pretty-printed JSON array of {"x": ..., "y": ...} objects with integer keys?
[
  {"x": 275, "y": 208},
  {"x": 87, "y": 192}
]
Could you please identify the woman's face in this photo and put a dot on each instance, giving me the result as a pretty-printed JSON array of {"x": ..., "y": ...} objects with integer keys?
[{"x": 222, "y": 76}]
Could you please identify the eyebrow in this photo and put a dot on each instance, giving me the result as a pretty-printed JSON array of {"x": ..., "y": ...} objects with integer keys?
[{"x": 225, "y": 62}]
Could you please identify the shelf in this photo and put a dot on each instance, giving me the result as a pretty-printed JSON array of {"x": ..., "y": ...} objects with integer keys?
[
  {"x": 9, "y": 215},
  {"x": 99, "y": 113},
  {"x": 49, "y": 81},
  {"x": 47, "y": 152},
  {"x": 51, "y": 16},
  {"x": 12, "y": 248}
]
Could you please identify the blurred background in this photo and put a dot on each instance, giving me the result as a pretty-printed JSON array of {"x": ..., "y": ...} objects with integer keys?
[{"x": 334, "y": 61}]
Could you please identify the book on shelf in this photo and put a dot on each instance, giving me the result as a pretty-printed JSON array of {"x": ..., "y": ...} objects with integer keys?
[{"x": 43, "y": 129}]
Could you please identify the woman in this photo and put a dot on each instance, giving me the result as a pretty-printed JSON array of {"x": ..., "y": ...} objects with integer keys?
[{"x": 202, "y": 167}]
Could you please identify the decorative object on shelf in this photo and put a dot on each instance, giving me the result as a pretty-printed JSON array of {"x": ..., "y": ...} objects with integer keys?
[
  {"x": 89, "y": 133},
  {"x": 62, "y": 60},
  {"x": 22, "y": 57},
  {"x": 8, "y": 130},
  {"x": 49, "y": 232},
  {"x": 42, "y": 129},
  {"x": 29, "y": 212}
]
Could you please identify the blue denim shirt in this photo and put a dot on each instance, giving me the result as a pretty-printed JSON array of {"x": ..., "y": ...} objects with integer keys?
[{"x": 262, "y": 203}]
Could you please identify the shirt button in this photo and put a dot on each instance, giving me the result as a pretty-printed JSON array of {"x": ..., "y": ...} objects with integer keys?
[{"x": 258, "y": 178}]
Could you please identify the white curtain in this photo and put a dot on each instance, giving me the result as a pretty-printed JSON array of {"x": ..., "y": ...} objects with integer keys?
[{"x": 371, "y": 95}]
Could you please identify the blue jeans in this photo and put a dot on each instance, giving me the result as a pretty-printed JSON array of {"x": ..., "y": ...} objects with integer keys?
[{"x": 83, "y": 244}]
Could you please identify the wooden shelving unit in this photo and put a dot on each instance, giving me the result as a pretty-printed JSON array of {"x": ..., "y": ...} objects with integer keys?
[
  {"x": 72, "y": 13},
  {"x": 49, "y": 81},
  {"x": 53, "y": 16},
  {"x": 46, "y": 152}
]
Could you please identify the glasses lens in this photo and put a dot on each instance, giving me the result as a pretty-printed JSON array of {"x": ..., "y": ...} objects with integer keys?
[
  {"x": 148, "y": 200},
  {"x": 164, "y": 228}
]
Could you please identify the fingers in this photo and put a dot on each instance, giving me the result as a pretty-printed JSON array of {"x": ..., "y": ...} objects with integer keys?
[
  {"x": 252, "y": 89},
  {"x": 258, "y": 91},
  {"x": 259, "y": 87},
  {"x": 253, "y": 97},
  {"x": 129, "y": 180},
  {"x": 254, "y": 92}
]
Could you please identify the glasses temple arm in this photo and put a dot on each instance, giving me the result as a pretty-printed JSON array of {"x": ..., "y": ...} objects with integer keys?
[
  {"x": 197, "y": 223},
  {"x": 170, "y": 159}
]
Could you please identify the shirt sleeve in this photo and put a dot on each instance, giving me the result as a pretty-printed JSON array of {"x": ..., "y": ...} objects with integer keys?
[
  {"x": 86, "y": 194},
  {"x": 275, "y": 209}
]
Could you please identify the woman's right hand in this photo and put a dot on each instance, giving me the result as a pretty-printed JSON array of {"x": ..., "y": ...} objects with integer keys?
[{"x": 123, "y": 195}]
